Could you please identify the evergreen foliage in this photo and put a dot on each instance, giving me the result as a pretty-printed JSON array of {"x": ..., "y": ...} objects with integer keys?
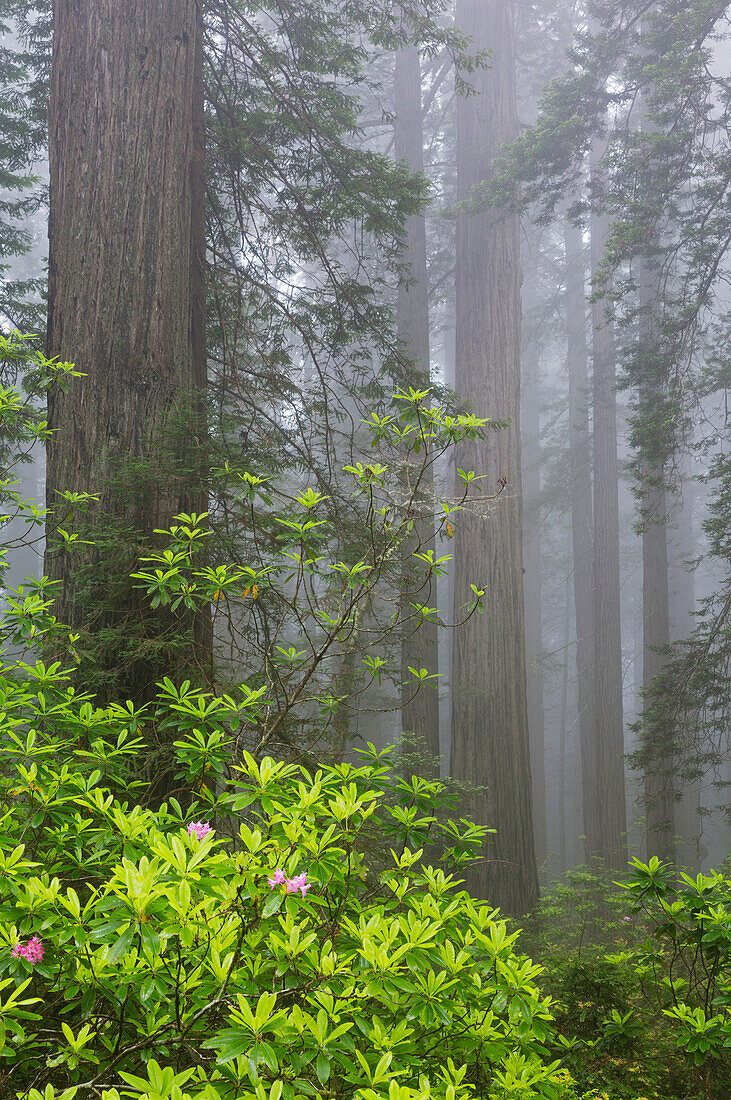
[{"x": 21, "y": 191}]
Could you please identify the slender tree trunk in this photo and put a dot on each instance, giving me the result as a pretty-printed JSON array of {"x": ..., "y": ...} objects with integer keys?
[
  {"x": 682, "y": 602},
  {"x": 490, "y": 744},
  {"x": 532, "y": 581},
  {"x": 446, "y": 583},
  {"x": 660, "y": 802},
  {"x": 126, "y": 301},
  {"x": 608, "y": 645},
  {"x": 652, "y": 384},
  {"x": 534, "y": 617},
  {"x": 563, "y": 731},
  {"x": 420, "y": 711},
  {"x": 636, "y": 810},
  {"x": 582, "y": 540}
]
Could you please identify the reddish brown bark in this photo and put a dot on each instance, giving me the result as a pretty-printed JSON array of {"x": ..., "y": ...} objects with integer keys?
[{"x": 127, "y": 252}]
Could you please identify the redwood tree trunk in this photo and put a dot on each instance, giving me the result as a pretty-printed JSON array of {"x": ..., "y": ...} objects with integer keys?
[
  {"x": 533, "y": 603},
  {"x": 582, "y": 540},
  {"x": 659, "y": 794},
  {"x": 608, "y": 644},
  {"x": 126, "y": 296},
  {"x": 420, "y": 705},
  {"x": 682, "y": 549},
  {"x": 490, "y": 744},
  {"x": 654, "y": 463},
  {"x": 532, "y": 562}
]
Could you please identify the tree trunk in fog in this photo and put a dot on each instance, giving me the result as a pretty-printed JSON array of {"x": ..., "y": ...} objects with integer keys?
[
  {"x": 533, "y": 598},
  {"x": 682, "y": 549},
  {"x": 608, "y": 644},
  {"x": 658, "y": 779},
  {"x": 582, "y": 540},
  {"x": 532, "y": 562},
  {"x": 126, "y": 303},
  {"x": 489, "y": 716},
  {"x": 660, "y": 808},
  {"x": 420, "y": 711},
  {"x": 563, "y": 731}
]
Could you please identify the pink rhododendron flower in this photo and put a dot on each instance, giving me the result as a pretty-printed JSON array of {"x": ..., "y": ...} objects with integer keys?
[
  {"x": 299, "y": 882},
  {"x": 32, "y": 951},
  {"x": 199, "y": 828},
  {"x": 291, "y": 885}
]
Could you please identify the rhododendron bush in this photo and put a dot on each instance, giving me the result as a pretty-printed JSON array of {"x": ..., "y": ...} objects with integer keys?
[
  {"x": 271, "y": 934},
  {"x": 256, "y": 942}
]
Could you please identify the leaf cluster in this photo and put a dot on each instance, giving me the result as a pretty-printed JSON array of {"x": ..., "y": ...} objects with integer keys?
[{"x": 172, "y": 966}]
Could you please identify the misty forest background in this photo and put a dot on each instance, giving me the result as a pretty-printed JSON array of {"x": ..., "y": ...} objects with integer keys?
[{"x": 521, "y": 207}]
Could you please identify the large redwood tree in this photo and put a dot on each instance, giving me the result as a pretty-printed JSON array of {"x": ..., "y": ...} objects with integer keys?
[
  {"x": 490, "y": 746},
  {"x": 126, "y": 293}
]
